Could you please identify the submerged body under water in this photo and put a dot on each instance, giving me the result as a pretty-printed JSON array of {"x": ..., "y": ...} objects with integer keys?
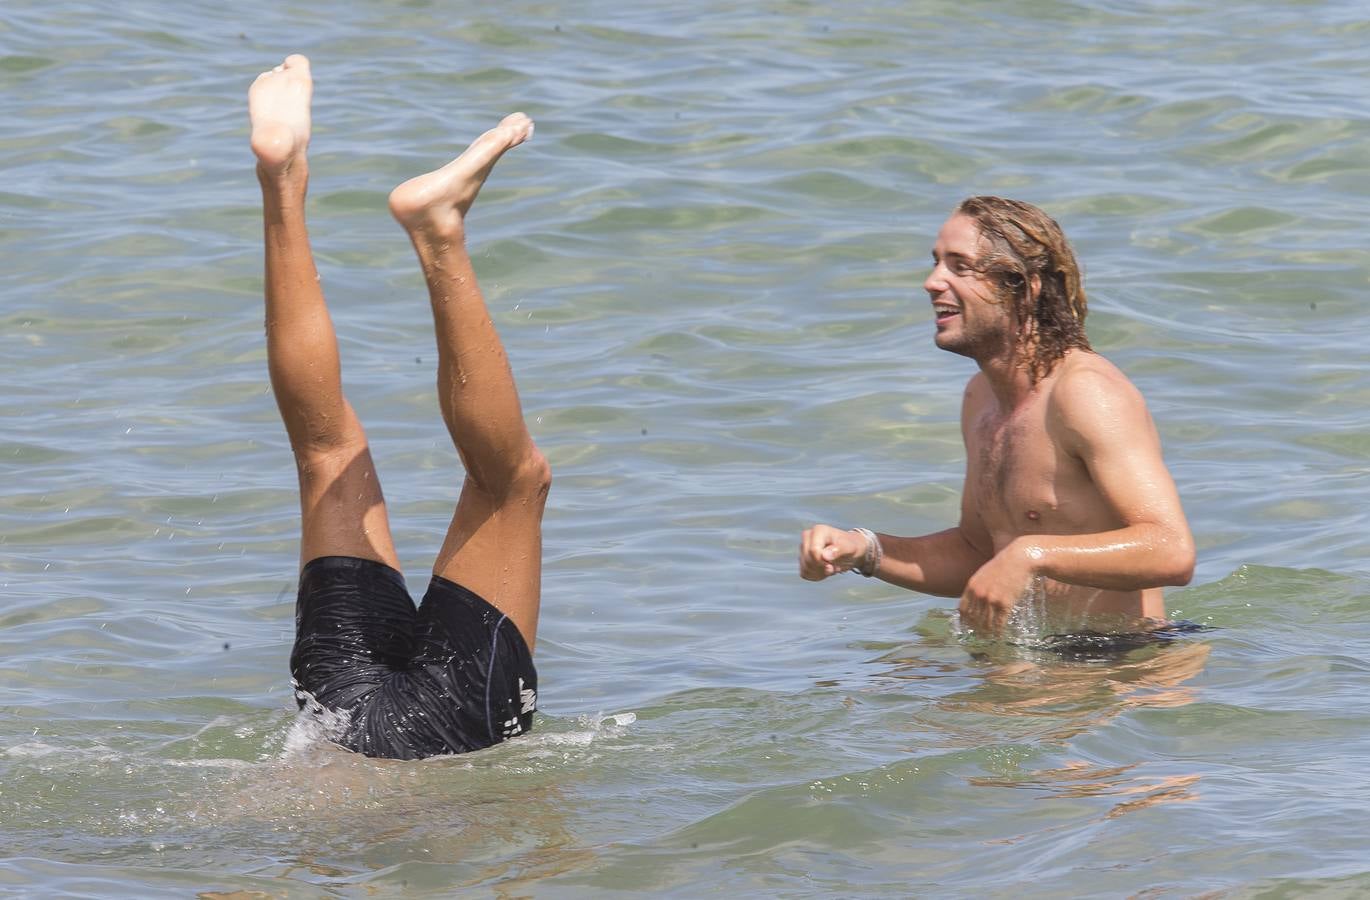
[{"x": 1034, "y": 625}]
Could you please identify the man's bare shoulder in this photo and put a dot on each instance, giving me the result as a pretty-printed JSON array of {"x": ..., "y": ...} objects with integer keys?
[
  {"x": 1091, "y": 396},
  {"x": 978, "y": 393},
  {"x": 977, "y": 385},
  {"x": 974, "y": 397}
]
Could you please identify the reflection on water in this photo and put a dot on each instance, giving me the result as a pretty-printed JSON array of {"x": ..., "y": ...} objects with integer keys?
[
  {"x": 1018, "y": 680},
  {"x": 1058, "y": 698},
  {"x": 1081, "y": 779}
]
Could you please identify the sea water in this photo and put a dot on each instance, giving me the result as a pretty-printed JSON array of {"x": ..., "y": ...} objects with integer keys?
[{"x": 706, "y": 267}]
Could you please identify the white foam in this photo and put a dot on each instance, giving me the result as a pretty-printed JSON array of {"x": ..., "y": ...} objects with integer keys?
[
  {"x": 32, "y": 750},
  {"x": 594, "y": 727},
  {"x": 314, "y": 727},
  {"x": 225, "y": 763}
]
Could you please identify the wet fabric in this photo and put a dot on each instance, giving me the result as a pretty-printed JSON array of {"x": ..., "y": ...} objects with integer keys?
[
  {"x": 1109, "y": 645},
  {"x": 452, "y": 676}
]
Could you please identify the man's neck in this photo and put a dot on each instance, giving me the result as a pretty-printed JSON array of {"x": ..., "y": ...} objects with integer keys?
[{"x": 1008, "y": 378}]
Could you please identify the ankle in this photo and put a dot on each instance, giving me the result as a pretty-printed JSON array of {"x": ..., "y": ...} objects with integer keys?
[
  {"x": 437, "y": 237},
  {"x": 288, "y": 180}
]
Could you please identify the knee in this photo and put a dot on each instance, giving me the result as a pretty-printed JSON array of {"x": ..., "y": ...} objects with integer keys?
[
  {"x": 532, "y": 478},
  {"x": 518, "y": 482},
  {"x": 320, "y": 439},
  {"x": 325, "y": 460}
]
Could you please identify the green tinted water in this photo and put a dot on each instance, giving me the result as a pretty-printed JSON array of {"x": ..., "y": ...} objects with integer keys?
[{"x": 706, "y": 266}]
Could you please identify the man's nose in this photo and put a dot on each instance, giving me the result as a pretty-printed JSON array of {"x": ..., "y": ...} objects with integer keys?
[{"x": 935, "y": 283}]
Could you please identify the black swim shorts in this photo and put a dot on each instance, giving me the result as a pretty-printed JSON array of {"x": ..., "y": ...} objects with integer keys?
[{"x": 452, "y": 676}]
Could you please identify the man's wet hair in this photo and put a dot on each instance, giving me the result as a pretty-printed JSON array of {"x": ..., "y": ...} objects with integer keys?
[{"x": 1022, "y": 241}]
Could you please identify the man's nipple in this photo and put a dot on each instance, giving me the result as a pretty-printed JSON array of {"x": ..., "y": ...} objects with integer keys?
[{"x": 1033, "y": 515}]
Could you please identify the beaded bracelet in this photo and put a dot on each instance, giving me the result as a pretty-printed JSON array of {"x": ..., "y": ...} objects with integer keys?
[{"x": 875, "y": 554}]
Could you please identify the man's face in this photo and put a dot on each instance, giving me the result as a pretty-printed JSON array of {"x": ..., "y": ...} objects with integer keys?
[{"x": 971, "y": 320}]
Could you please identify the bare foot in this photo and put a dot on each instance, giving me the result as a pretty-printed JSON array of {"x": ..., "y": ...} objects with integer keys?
[
  {"x": 278, "y": 106},
  {"x": 436, "y": 203}
]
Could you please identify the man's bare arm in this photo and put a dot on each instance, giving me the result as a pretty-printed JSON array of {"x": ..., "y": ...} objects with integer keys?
[
  {"x": 1102, "y": 419},
  {"x": 939, "y": 563}
]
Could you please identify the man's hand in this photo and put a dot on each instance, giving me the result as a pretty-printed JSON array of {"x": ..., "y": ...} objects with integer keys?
[
  {"x": 824, "y": 551},
  {"x": 995, "y": 589}
]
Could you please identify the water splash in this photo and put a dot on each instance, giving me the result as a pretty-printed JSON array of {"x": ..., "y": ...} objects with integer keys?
[
  {"x": 1033, "y": 626},
  {"x": 1027, "y": 623},
  {"x": 315, "y": 726}
]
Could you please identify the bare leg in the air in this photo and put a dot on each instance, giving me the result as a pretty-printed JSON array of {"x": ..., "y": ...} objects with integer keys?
[
  {"x": 494, "y": 544},
  {"x": 342, "y": 509}
]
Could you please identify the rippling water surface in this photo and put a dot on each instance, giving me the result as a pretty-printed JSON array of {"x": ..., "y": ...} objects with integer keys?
[{"x": 706, "y": 267}]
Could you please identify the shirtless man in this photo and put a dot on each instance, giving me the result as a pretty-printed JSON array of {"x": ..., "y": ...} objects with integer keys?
[
  {"x": 1065, "y": 486},
  {"x": 457, "y": 674}
]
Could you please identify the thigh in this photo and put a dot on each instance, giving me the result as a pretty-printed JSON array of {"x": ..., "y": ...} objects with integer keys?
[
  {"x": 494, "y": 549},
  {"x": 354, "y": 628},
  {"x": 342, "y": 509}
]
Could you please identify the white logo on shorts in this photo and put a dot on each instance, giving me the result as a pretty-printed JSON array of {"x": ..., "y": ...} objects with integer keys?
[{"x": 529, "y": 701}]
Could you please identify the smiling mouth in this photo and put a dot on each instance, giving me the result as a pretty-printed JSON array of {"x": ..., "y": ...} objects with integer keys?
[{"x": 944, "y": 312}]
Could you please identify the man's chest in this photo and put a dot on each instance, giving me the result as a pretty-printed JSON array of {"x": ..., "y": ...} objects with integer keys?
[{"x": 1021, "y": 479}]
